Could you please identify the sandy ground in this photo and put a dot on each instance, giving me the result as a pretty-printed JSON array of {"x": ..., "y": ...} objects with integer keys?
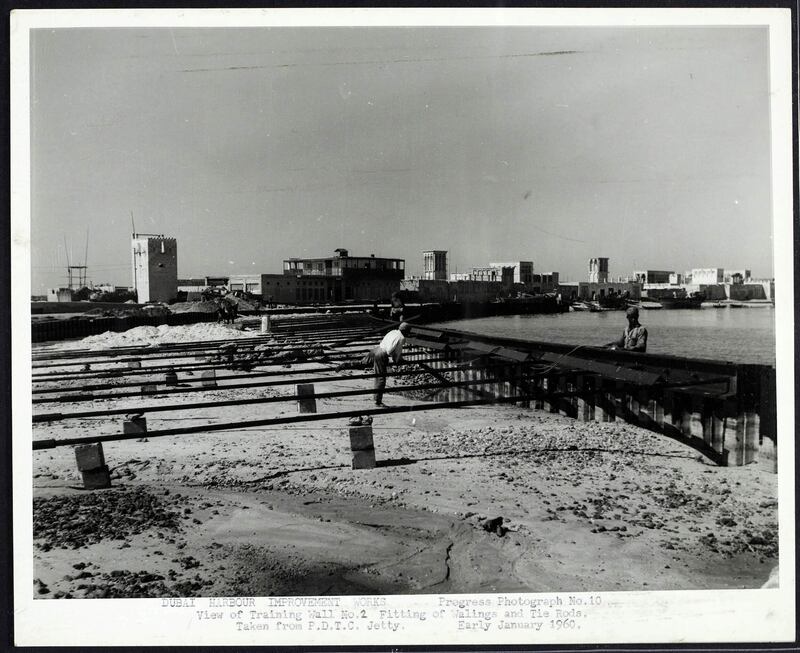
[{"x": 279, "y": 511}]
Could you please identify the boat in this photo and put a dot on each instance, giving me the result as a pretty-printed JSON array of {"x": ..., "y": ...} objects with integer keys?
[
  {"x": 614, "y": 302},
  {"x": 679, "y": 299}
]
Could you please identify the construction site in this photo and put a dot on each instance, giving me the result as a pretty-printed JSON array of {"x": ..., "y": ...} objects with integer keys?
[{"x": 249, "y": 459}]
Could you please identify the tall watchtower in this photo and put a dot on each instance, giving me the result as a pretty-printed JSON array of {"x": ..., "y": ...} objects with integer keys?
[{"x": 154, "y": 261}]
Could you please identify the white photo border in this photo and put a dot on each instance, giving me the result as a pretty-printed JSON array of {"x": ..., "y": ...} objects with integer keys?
[{"x": 624, "y": 617}]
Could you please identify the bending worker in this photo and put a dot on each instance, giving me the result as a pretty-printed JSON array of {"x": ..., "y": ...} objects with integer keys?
[
  {"x": 634, "y": 338},
  {"x": 390, "y": 347}
]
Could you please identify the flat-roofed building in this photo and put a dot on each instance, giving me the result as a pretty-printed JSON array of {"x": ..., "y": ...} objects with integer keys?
[
  {"x": 198, "y": 284},
  {"x": 337, "y": 278},
  {"x": 707, "y": 276},
  {"x": 544, "y": 282},
  {"x": 591, "y": 291},
  {"x": 652, "y": 276},
  {"x": 59, "y": 295},
  {"x": 736, "y": 276},
  {"x": 497, "y": 274}
]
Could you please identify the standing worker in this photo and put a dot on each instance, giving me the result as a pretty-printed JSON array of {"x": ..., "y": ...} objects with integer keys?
[
  {"x": 634, "y": 338},
  {"x": 397, "y": 309},
  {"x": 390, "y": 347}
]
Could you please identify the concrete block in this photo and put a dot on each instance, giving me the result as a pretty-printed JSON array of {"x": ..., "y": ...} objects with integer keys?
[
  {"x": 171, "y": 378},
  {"x": 266, "y": 324},
  {"x": 768, "y": 456},
  {"x": 307, "y": 403},
  {"x": 751, "y": 429},
  {"x": 89, "y": 456},
  {"x": 135, "y": 425},
  {"x": 364, "y": 459},
  {"x": 208, "y": 379},
  {"x": 96, "y": 479},
  {"x": 135, "y": 365},
  {"x": 361, "y": 438},
  {"x": 149, "y": 388}
]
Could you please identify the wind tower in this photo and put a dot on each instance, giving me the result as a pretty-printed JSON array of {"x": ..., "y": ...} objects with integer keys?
[
  {"x": 598, "y": 270},
  {"x": 435, "y": 264}
]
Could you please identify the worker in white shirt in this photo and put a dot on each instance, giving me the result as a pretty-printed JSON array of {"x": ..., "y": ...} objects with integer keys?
[{"x": 390, "y": 347}]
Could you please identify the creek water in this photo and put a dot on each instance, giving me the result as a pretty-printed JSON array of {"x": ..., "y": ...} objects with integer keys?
[{"x": 740, "y": 335}]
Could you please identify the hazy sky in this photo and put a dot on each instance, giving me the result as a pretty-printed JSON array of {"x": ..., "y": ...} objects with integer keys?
[{"x": 646, "y": 145}]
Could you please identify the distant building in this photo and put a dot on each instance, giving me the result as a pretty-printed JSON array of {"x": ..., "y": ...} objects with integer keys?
[
  {"x": 461, "y": 290},
  {"x": 523, "y": 270},
  {"x": 545, "y": 282},
  {"x": 591, "y": 291},
  {"x": 59, "y": 295},
  {"x": 337, "y": 278},
  {"x": 250, "y": 283},
  {"x": 653, "y": 276},
  {"x": 598, "y": 270},
  {"x": 499, "y": 274},
  {"x": 155, "y": 267},
  {"x": 676, "y": 278},
  {"x": 198, "y": 284},
  {"x": 736, "y": 276},
  {"x": 707, "y": 276},
  {"x": 434, "y": 264}
]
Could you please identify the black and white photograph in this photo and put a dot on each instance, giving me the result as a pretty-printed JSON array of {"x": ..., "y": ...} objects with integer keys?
[{"x": 403, "y": 326}]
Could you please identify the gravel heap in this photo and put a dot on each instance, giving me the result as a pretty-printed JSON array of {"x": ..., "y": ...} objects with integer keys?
[
  {"x": 417, "y": 375},
  {"x": 76, "y": 520},
  {"x": 194, "y": 307}
]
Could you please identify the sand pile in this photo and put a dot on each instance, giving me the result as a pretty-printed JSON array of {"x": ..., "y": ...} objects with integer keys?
[{"x": 146, "y": 336}]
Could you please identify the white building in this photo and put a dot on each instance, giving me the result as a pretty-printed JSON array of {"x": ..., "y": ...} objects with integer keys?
[
  {"x": 707, "y": 276},
  {"x": 523, "y": 270}
]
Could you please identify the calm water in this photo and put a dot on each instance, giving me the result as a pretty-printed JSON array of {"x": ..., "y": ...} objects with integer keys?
[{"x": 743, "y": 335}]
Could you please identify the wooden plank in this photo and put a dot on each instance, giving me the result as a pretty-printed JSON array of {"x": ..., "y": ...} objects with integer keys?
[{"x": 608, "y": 370}]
